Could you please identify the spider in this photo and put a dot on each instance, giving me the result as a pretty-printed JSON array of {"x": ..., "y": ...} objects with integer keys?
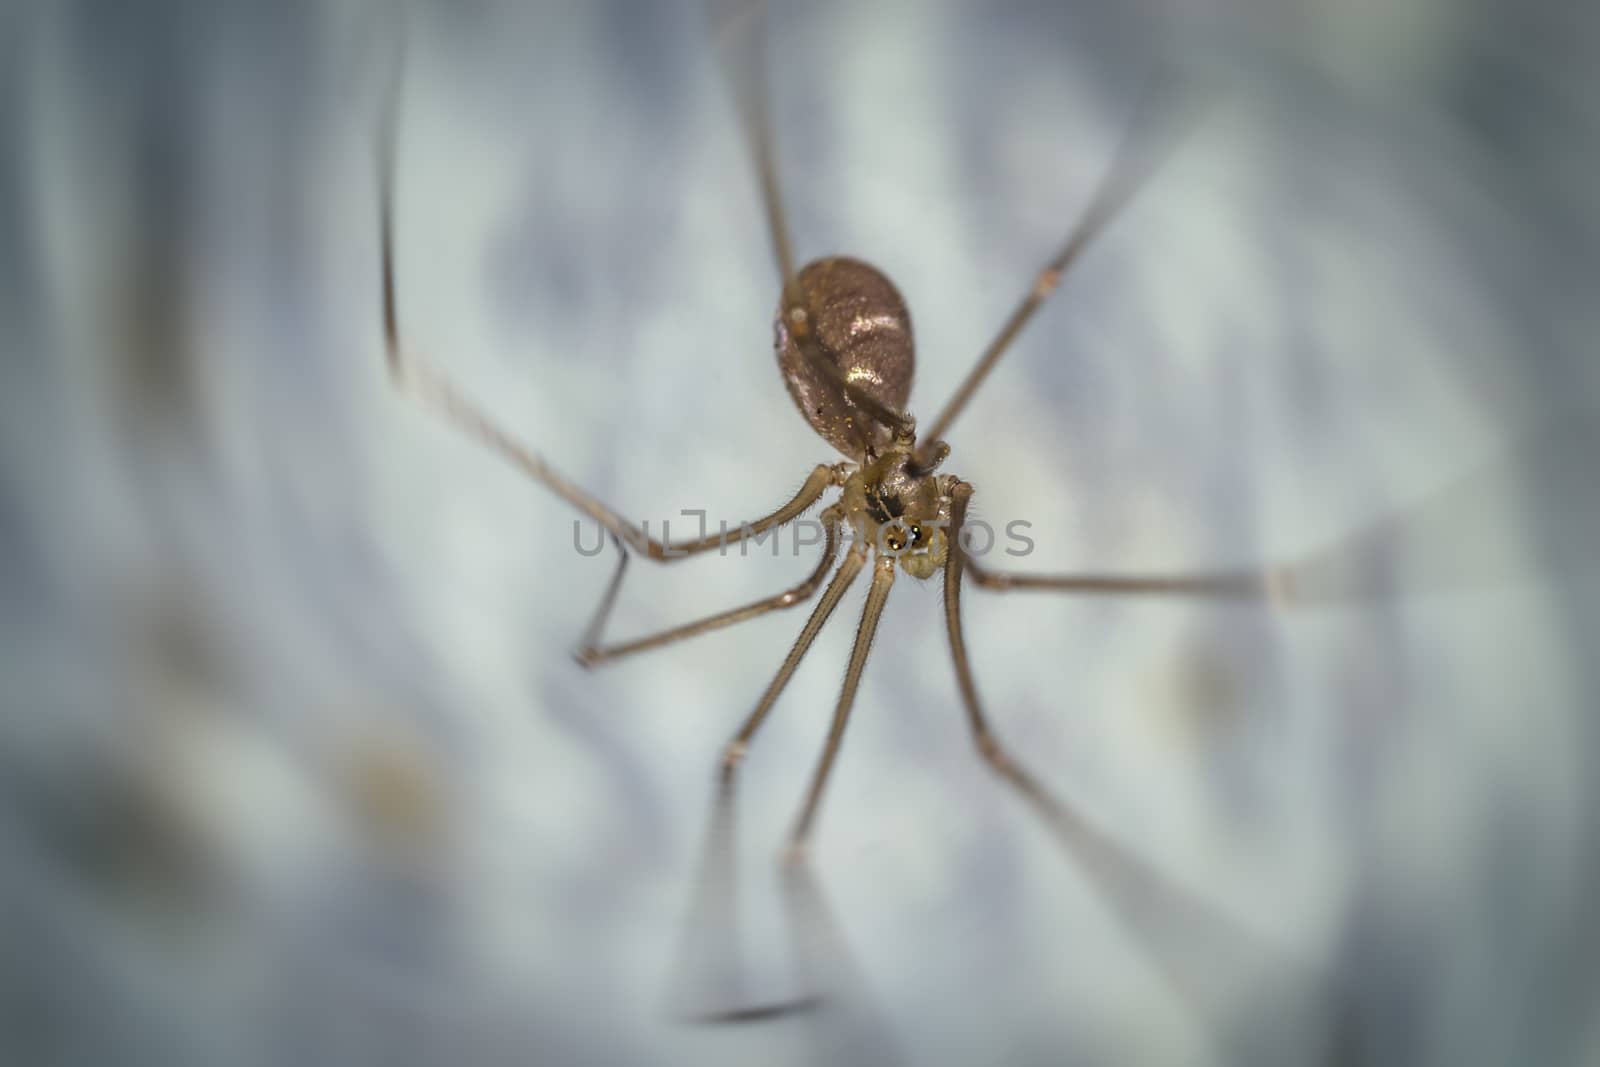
[{"x": 843, "y": 344}]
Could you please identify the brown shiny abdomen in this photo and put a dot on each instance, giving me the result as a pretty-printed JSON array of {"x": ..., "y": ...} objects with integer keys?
[{"x": 863, "y": 326}]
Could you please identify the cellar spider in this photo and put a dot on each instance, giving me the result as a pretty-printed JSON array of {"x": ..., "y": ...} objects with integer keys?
[{"x": 844, "y": 349}]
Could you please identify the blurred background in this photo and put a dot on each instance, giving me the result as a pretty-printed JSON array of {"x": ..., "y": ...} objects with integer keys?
[{"x": 297, "y": 766}]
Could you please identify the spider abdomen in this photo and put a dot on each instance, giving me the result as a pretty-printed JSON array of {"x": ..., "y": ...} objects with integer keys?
[{"x": 863, "y": 327}]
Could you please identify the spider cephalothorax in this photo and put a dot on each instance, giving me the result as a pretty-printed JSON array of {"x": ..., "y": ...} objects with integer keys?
[{"x": 900, "y": 511}]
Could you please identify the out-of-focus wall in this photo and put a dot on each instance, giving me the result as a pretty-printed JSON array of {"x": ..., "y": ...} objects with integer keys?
[{"x": 297, "y": 766}]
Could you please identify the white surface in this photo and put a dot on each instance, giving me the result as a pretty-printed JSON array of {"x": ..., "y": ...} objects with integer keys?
[{"x": 1291, "y": 333}]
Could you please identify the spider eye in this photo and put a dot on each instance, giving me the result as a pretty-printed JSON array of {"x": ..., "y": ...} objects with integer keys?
[{"x": 916, "y": 535}]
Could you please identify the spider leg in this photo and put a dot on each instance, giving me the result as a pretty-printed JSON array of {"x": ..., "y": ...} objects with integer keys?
[
  {"x": 431, "y": 388},
  {"x": 1445, "y": 540},
  {"x": 882, "y": 579},
  {"x": 739, "y": 34},
  {"x": 1187, "y": 938},
  {"x": 591, "y": 653},
  {"x": 1151, "y": 134},
  {"x": 711, "y": 941}
]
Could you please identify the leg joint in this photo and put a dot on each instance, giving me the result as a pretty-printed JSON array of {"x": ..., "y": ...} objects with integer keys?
[{"x": 989, "y": 748}]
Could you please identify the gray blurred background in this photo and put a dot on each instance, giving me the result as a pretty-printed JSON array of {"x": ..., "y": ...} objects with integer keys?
[{"x": 297, "y": 767}]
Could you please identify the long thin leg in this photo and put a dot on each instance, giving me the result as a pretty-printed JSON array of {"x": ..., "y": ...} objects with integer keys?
[
  {"x": 1142, "y": 149},
  {"x": 882, "y": 578},
  {"x": 988, "y": 746},
  {"x": 591, "y": 653},
  {"x": 734, "y": 752},
  {"x": 713, "y": 926},
  {"x": 714, "y": 922},
  {"x": 1447, "y": 539},
  {"x": 431, "y": 388},
  {"x": 716, "y": 991},
  {"x": 1270, "y": 583},
  {"x": 710, "y": 986},
  {"x": 1188, "y": 938},
  {"x": 740, "y": 37},
  {"x": 853, "y": 1029},
  {"x": 956, "y": 562}
]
